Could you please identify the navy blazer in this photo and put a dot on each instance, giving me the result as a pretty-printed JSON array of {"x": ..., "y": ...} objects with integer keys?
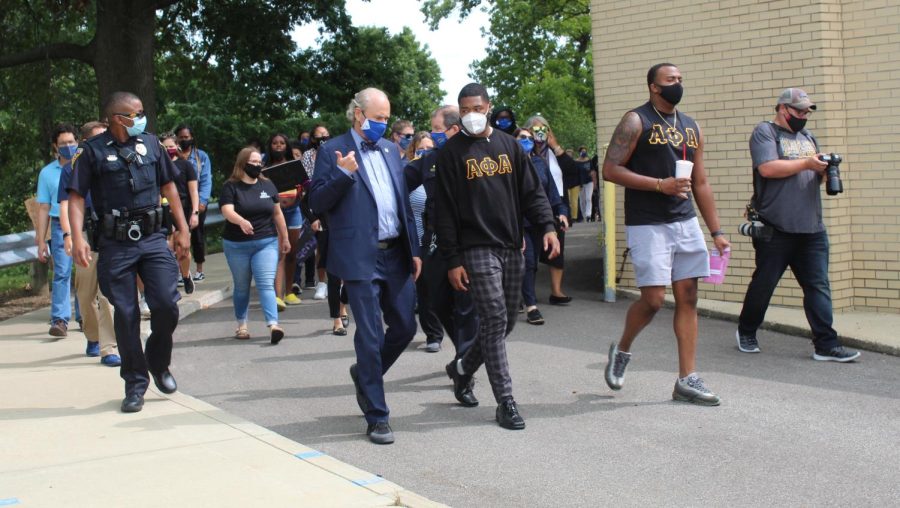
[{"x": 348, "y": 204}]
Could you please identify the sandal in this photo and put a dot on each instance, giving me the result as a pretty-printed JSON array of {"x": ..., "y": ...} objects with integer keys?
[
  {"x": 339, "y": 331},
  {"x": 345, "y": 320},
  {"x": 242, "y": 333},
  {"x": 277, "y": 334}
]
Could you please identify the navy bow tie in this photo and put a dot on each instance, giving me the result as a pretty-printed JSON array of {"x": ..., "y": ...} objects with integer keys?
[{"x": 366, "y": 146}]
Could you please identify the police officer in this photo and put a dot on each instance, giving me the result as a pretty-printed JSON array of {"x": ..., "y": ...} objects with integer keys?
[{"x": 125, "y": 169}]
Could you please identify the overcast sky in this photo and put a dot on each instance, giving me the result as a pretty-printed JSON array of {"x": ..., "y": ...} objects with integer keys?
[{"x": 453, "y": 45}]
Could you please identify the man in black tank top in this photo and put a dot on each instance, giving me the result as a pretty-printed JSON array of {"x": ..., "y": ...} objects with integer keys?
[{"x": 664, "y": 236}]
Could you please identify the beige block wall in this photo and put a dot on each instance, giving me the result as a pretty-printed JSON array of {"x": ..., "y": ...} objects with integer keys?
[{"x": 736, "y": 56}]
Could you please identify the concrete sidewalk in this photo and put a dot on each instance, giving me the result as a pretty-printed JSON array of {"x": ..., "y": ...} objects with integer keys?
[{"x": 64, "y": 442}]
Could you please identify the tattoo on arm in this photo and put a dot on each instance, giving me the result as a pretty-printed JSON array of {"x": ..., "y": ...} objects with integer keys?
[{"x": 624, "y": 139}]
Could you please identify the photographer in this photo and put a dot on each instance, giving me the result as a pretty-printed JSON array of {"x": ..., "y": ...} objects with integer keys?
[{"x": 787, "y": 173}]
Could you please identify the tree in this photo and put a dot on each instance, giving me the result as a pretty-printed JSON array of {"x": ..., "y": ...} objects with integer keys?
[{"x": 538, "y": 60}]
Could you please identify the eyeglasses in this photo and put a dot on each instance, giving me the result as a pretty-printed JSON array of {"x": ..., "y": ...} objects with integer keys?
[
  {"x": 540, "y": 129},
  {"x": 801, "y": 113},
  {"x": 406, "y": 136},
  {"x": 524, "y": 136},
  {"x": 132, "y": 116}
]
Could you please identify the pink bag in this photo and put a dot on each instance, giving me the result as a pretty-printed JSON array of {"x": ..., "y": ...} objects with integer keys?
[{"x": 718, "y": 264}]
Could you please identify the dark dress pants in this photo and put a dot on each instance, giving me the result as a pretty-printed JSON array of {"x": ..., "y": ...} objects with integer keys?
[
  {"x": 389, "y": 298},
  {"x": 454, "y": 309},
  {"x": 117, "y": 268}
]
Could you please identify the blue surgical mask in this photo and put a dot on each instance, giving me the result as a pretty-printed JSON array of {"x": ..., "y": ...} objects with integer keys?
[
  {"x": 140, "y": 123},
  {"x": 527, "y": 144},
  {"x": 373, "y": 130},
  {"x": 404, "y": 142},
  {"x": 504, "y": 123},
  {"x": 67, "y": 151},
  {"x": 420, "y": 153},
  {"x": 304, "y": 142},
  {"x": 439, "y": 138}
]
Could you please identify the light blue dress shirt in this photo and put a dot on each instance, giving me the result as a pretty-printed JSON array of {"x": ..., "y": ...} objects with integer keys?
[{"x": 376, "y": 168}]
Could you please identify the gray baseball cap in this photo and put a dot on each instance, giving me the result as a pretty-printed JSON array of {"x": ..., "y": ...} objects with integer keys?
[{"x": 796, "y": 98}]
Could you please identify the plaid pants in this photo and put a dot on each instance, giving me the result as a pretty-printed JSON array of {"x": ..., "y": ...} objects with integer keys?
[{"x": 495, "y": 283}]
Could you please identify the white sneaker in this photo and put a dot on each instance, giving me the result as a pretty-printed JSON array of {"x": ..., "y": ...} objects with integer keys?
[
  {"x": 145, "y": 310},
  {"x": 321, "y": 291}
]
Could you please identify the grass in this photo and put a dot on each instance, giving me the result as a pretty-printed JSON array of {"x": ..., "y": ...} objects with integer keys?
[{"x": 14, "y": 278}]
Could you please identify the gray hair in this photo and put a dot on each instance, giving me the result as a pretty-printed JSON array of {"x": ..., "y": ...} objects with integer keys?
[
  {"x": 449, "y": 115},
  {"x": 361, "y": 100},
  {"x": 533, "y": 119}
]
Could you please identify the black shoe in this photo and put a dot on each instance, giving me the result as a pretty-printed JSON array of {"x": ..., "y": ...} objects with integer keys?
[
  {"x": 188, "y": 284},
  {"x": 836, "y": 354},
  {"x": 165, "y": 381},
  {"x": 380, "y": 433},
  {"x": 534, "y": 317},
  {"x": 560, "y": 300},
  {"x": 360, "y": 398},
  {"x": 462, "y": 386},
  {"x": 508, "y": 415},
  {"x": 133, "y": 403}
]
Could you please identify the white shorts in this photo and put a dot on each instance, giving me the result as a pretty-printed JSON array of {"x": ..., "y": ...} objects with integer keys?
[{"x": 663, "y": 253}]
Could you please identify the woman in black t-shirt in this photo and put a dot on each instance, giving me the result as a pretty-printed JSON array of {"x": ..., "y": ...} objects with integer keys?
[
  {"x": 186, "y": 182},
  {"x": 255, "y": 233}
]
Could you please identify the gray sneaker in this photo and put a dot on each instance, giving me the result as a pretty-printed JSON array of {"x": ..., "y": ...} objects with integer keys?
[
  {"x": 615, "y": 369},
  {"x": 746, "y": 343},
  {"x": 694, "y": 391}
]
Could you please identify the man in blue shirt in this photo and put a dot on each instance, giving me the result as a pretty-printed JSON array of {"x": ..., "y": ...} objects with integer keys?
[
  {"x": 200, "y": 160},
  {"x": 64, "y": 144}
]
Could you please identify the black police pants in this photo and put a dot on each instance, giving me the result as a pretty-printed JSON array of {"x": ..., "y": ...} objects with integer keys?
[
  {"x": 454, "y": 309},
  {"x": 117, "y": 268},
  {"x": 198, "y": 239}
]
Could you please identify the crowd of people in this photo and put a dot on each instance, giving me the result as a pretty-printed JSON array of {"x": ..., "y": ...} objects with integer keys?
[{"x": 447, "y": 225}]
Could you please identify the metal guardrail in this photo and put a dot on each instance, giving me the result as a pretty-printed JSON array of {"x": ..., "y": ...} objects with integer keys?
[{"x": 18, "y": 248}]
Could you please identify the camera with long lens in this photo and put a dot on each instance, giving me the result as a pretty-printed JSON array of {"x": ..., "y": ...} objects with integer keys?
[
  {"x": 755, "y": 227},
  {"x": 833, "y": 184}
]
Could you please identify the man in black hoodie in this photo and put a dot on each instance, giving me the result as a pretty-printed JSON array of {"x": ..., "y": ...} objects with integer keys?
[
  {"x": 504, "y": 119},
  {"x": 486, "y": 183}
]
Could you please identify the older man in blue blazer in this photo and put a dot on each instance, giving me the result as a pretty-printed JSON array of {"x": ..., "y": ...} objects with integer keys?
[{"x": 360, "y": 188}]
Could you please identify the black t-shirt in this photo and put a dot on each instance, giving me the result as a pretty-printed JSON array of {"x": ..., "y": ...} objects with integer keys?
[
  {"x": 661, "y": 143},
  {"x": 485, "y": 186},
  {"x": 256, "y": 203},
  {"x": 186, "y": 173}
]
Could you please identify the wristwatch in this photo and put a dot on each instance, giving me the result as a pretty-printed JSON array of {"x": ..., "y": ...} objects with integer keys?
[{"x": 717, "y": 232}]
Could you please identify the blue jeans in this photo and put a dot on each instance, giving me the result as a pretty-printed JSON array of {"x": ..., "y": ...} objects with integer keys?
[
  {"x": 807, "y": 255},
  {"x": 258, "y": 258},
  {"x": 60, "y": 304}
]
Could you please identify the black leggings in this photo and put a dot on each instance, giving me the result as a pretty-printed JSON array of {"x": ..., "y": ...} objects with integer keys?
[{"x": 337, "y": 295}]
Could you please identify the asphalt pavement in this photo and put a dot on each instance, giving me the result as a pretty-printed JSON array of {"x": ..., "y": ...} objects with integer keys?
[{"x": 790, "y": 431}]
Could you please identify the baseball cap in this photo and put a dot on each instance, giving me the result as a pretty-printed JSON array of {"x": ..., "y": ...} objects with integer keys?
[{"x": 796, "y": 98}]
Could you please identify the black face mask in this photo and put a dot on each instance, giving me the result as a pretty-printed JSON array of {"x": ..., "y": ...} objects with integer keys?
[
  {"x": 796, "y": 124},
  {"x": 672, "y": 93},
  {"x": 186, "y": 144},
  {"x": 252, "y": 170},
  {"x": 277, "y": 155},
  {"x": 316, "y": 142}
]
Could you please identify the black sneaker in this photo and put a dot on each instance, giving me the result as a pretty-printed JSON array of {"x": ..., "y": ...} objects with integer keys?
[
  {"x": 534, "y": 317},
  {"x": 199, "y": 277},
  {"x": 380, "y": 433},
  {"x": 508, "y": 415},
  {"x": 188, "y": 283},
  {"x": 296, "y": 289},
  {"x": 836, "y": 354},
  {"x": 746, "y": 343}
]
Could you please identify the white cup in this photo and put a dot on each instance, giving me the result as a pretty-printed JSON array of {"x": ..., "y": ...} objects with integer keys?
[{"x": 683, "y": 169}]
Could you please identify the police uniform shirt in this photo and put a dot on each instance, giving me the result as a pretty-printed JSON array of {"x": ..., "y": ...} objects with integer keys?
[{"x": 100, "y": 157}]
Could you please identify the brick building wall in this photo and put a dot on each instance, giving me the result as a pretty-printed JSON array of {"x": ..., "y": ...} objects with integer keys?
[{"x": 736, "y": 56}]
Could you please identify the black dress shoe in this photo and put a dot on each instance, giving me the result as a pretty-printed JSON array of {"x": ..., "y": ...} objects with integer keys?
[
  {"x": 165, "y": 381},
  {"x": 380, "y": 433},
  {"x": 462, "y": 386},
  {"x": 508, "y": 415},
  {"x": 133, "y": 403},
  {"x": 560, "y": 300},
  {"x": 360, "y": 398}
]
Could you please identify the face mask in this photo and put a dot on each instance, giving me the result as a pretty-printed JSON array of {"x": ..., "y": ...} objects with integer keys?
[
  {"x": 583, "y": 155},
  {"x": 439, "y": 138},
  {"x": 252, "y": 170},
  {"x": 277, "y": 155},
  {"x": 186, "y": 144},
  {"x": 527, "y": 144},
  {"x": 317, "y": 142},
  {"x": 67, "y": 151},
  {"x": 372, "y": 129},
  {"x": 475, "y": 123},
  {"x": 304, "y": 142},
  {"x": 796, "y": 124},
  {"x": 420, "y": 153},
  {"x": 140, "y": 123},
  {"x": 540, "y": 134},
  {"x": 504, "y": 123},
  {"x": 672, "y": 93},
  {"x": 173, "y": 152},
  {"x": 404, "y": 142}
]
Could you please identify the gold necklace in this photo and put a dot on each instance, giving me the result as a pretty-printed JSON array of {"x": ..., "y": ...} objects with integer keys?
[{"x": 673, "y": 127}]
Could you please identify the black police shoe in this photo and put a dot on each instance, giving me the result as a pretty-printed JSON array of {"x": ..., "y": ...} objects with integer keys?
[
  {"x": 462, "y": 385},
  {"x": 508, "y": 415},
  {"x": 360, "y": 398},
  {"x": 380, "y": 433},
  {"x": 133, "y": 403},
  {"x": 165, "y": 381}
]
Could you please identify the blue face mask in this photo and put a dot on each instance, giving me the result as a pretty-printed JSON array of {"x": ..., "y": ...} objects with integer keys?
[
  {"x": 527, "y": 144},
  {"x": 140, "y": 123},
  {"x": 420, "y": 153},
  {"x": 67, "y": 151},
  {"x": 504, "y": 123},
  {"x": 373, "y": 130},
  {"x": 404, "y": 142},
  {"x": 439, "y": 138},
  {"x": 304, "y": 142}
]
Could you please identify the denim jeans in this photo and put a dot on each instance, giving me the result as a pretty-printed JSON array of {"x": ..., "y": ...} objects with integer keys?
[
  {"x": 259, "y": 259},
  {"x": 60, "y": 304},
  {"x": 807, "y": 255}
]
